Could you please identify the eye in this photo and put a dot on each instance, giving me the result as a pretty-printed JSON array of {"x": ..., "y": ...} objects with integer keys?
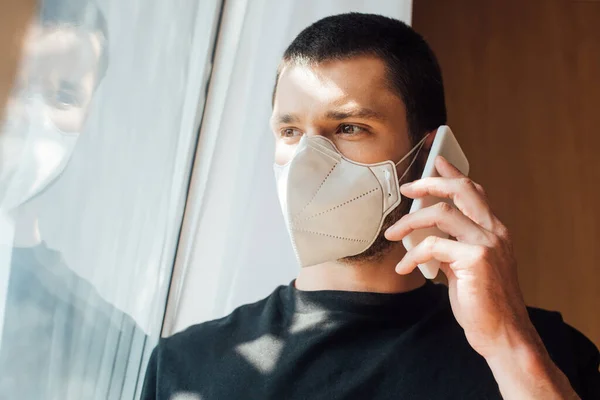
[
  {"x": 348, "y": 129},
  {"x": 289, "y": 133},
  {"x": 65, "y": 96},
  {"x": 66, "y": 99}
]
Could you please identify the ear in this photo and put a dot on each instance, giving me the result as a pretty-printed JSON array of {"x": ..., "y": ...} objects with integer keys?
[
  {"x": 424, "y": 153},
  {"x": 429, "y": 141}
]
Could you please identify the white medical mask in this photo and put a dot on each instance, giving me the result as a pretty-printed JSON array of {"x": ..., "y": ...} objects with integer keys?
[
  {"x": 32, "y": 155},
  {"x": 334, "y": 207}
]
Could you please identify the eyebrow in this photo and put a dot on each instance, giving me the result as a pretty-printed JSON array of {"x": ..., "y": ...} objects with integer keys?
[
  {"x": 338, "y": 115},
  {"x": 363, "y": 113},
  {"x": 286, "y": 119}
]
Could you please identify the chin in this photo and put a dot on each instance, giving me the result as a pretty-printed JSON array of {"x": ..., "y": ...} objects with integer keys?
[{"x": 381, "y": 247}]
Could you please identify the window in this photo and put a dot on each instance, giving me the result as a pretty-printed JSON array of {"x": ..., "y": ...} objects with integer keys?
[
  {"x": 95, "y": 156},
  {"x": 235, "y": 248}
]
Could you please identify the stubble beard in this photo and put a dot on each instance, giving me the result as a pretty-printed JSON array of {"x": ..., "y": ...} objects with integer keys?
[{"x": 381, "y": 246}]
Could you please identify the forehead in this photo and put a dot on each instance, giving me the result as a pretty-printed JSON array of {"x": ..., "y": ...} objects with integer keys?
[
  {"x": 61, "y": 52},
  {"x": 358, "y": 81}
]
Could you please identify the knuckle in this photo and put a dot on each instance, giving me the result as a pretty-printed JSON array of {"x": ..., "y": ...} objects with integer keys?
[
  {"x": 482, "y": 253},
  {"x": 503, "y": 232},
  {"x": 430, "y": 242},
  {"x": 444, "y": 207},
  {"x": 495, "y": 241},
  {"x": 467, "y": 183},
  {"x": 480, "y": 189}
]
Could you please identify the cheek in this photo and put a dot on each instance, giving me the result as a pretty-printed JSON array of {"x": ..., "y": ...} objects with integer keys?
[
  {"x": 283, "y": 152},
  {"x": 368, "y": 151},
  {"x": 69, "y": 121}
]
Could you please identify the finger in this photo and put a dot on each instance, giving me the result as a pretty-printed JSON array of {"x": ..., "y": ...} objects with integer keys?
[
  {"x": 434, "y": 248},
  {"x": 445, "y": 217},
  {"x": 447, "y": 270},
  {"x": 481, "y": 190},
  {"x": 462, "y": 191},
  {"x": 447, "y": 169}
]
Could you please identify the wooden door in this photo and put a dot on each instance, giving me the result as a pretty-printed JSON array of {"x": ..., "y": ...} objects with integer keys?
[{"x": 523, "y": 93}]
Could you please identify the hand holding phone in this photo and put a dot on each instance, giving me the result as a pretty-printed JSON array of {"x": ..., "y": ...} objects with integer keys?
[{"x": 445, "y": 145}]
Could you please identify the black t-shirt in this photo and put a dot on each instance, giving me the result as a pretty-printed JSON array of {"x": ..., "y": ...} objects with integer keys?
[
  {"x": 60, "y": 339},
  {"x": 346, "y": 345}
]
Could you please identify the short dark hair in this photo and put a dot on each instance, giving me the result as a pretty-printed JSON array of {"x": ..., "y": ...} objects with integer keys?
[
  {"x": 413, "y": 70},
  {"x": 80, "y": 14}
]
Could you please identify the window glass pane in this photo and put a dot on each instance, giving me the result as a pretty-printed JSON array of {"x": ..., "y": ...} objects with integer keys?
[{"x": 95, "y": 152}]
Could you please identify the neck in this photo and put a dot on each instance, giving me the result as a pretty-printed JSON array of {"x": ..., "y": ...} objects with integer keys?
[
  {"x": 27, "y": 231},
  {"x": 365, "y": 276}
]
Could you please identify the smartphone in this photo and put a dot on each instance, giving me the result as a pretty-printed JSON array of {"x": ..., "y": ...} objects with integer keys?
[{"x": 445, "y": 145}]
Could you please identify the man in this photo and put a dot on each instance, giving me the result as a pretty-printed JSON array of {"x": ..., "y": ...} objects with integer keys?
[
  {"x": 352, "y": 92},
  {"x": 59, "y": 338}
]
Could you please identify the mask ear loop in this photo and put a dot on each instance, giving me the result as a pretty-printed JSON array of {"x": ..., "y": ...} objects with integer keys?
[{"x": 417, "y": 148}]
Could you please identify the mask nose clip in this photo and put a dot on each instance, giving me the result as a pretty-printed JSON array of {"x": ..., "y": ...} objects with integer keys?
[{"x": 388, "y": 179}]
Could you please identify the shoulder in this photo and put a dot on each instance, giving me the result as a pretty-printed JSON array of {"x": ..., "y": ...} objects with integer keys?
[
  {"x": 555, "y": 331},
  {"x": 206, "y": 347},
  {"x": 571, "y": 350},
  {"x": 59, "y": 287},
  {"x": 217, "y": 335},
  {"x": 557, "y": 335}
]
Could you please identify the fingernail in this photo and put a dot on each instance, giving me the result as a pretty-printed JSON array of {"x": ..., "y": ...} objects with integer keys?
[
  {"x": 388, "y": 231},
  {"x": 398, "y": 269},
  {"x": 406, "y": 185}
]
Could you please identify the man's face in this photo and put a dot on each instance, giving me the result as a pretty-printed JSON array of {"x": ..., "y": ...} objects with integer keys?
[
  {"x": 47, "y": 109},
  {"x": 351, "y": 103},
  {"x": 60, "y": 66}
]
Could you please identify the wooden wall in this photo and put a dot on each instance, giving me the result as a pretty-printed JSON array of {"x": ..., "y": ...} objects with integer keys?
[
  {"x": 523, "y": 92},
  {"x": 14, "y": 19}
]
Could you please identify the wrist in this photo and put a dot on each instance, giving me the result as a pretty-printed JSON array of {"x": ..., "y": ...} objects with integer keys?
[
  {"x": 520, "y": 354},
  {"x": 512, "y": 340},
  {"x": 521, "y": 349},
  {"x": 523, "y": 369}
]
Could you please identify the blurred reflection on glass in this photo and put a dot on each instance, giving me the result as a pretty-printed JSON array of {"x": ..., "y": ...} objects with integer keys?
[
  {"x": 64, "y": 59},
  {"x": 59, "y": 338}
]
